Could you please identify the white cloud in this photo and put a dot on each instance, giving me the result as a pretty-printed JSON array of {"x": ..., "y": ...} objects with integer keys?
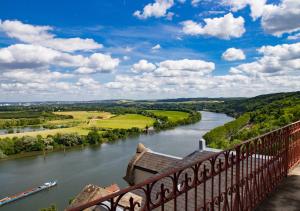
[
  {"x": 125, "y": 58},
  {"x": 226, "y": 27},
  {"x": 39, "y": 35},
  {"x": 198, "y": 66},
  {"x": 156, "y": 47},
  {"x": 157, "y": 9},
  {"x": 276, "y": 19},
  {"x": 233, "y": 54},
  {"x": 195, "y": 3},
  {"x": 128, "y": 49},
  {"x": 32, "y": 76},
  {"x": 181, "y": 74},
  {"x": 276, "y": 70},
  {"x": 143, "y": 66},
  {"x": 43, "y": 66},
  {"x": 34, "y": 56},
  {"x": 276, "y": 60},
  {"x": 282, "y": 18},
  {"x": 294, "y": 37},
  {"x": 88, "y": 83},
  {"x": 256, "y": 6}
]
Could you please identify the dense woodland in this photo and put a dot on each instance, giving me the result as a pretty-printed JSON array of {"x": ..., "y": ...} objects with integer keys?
[{"x": 256, "y": 116}]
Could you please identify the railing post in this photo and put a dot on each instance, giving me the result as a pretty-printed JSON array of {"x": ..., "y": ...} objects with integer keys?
[
  {"x": 287, "y": 140},
  {"x": 237, "y": 178}
]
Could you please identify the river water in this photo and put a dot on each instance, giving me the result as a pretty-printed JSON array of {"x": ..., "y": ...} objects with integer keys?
[
  {"x": 22, "y": 129},
  {"x": 101, "y": 165}
]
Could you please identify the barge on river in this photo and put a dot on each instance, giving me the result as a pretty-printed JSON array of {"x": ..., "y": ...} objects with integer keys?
[{"x": 15, "y": 197}]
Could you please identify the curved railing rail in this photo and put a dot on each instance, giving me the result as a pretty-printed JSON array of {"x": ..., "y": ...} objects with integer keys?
[{"x": 235, "y": 179}]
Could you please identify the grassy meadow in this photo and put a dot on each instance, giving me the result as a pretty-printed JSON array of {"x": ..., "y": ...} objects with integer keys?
[
  {"x": 83, "y": 121},
  {"x": 124, "y": 122},
  {"x": 173, "y": 116}
]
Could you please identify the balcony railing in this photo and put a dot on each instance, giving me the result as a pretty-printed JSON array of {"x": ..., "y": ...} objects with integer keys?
[{"x": 235, "y": 179}]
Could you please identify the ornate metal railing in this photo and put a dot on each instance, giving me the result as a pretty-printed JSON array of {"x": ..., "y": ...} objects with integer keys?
[{"x": 234, "y": 179}]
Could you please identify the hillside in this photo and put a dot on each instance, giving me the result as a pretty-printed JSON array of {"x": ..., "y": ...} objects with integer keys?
[{"x": 255, "y": 116}]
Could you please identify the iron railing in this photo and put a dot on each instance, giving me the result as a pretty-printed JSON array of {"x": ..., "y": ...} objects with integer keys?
[{"x": 235, "y": 179}]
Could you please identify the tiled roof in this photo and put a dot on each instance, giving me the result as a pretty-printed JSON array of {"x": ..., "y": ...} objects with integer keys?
[{"x": 155, "y": 162}]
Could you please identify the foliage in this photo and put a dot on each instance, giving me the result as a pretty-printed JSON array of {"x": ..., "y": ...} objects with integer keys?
[
  {"x": 172, "y": 116},
  {"x": 163, "y": 122},
  {"x": 220, "y": 137},
  {"x": 266, "y": 113},
  {"x": 94, "y": 137},
  {"x": 51, "y": 208}
]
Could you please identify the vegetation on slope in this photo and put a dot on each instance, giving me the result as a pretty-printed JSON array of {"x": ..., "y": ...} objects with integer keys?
[{"x": 256, "y": 116}]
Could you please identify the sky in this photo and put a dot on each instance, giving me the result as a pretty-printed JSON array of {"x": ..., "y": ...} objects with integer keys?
[{"x": 147, "y": 49}]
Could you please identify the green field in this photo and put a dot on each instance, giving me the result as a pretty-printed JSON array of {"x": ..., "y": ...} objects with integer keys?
[
  {"x": 85, "y": 115},
  {"x": 124, "y": 121},
  {"x": 83, "y": 121},
  {"x": 173, "y": 116}
]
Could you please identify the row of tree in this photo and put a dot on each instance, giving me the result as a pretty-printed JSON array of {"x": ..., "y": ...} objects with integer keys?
[
  {"x": 163, "y": 123},
  {"x": 11, "y": 146},
  {"x": 10, "y": 120}
]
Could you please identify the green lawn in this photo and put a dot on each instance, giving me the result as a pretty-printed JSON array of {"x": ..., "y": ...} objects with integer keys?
[
  {"x": 85, "y": 115},
  {"x": 85, "y": 120},
  {"x": 124, "y": 121},
  {"x": 172, "y": 115},
  {"x": 82, "y": 120}
]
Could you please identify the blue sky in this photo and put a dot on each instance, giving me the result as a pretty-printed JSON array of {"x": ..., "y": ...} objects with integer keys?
[{"x": 89, "y": 50}]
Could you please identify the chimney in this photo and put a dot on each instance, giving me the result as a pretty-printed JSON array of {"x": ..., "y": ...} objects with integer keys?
[{"x": 202, "y": 144}]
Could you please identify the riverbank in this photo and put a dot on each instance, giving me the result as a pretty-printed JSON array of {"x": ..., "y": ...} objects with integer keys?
[{"x": 31, "y": 146}]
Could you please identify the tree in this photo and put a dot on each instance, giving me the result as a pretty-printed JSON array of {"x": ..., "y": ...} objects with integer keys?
[
  {"x": 93, "y": 137},
  {"x": 51, "y": 208}
]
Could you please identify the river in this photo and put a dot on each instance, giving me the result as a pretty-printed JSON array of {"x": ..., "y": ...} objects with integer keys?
[{"x": 101, "y": 165}]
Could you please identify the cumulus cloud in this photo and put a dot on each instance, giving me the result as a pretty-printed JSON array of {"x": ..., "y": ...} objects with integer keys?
[
  {"x": 40, "y": 35},
  {"x": 34, "y": 56},
  {"x": 156, "y": 47},
  {"x": 195, "y": 3},
  {"x": 43, "y": 65},
  {"x": 281, "y": 18},
  {"x": 294, "y": 37},
  {"x": 167, "y": 77},
  {"x": 233, "y": 54},
  {"x": 276, "y": 60},
  {"x": 276, "y": 19},
  {"x": 88, "y": 83},
  {"x": 157, "y": 9},
  {"x": 225, "y": 27},
  {"x": 276, "y": 70},
  {"x": 143, "y": 66},
  {"x": 256, "y": 6},
  {"x": 32, "y": 76},
  {"x": 198, "y": 66}
]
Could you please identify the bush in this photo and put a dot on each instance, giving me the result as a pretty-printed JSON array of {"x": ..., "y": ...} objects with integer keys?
[{"x": 93, "y": 137}]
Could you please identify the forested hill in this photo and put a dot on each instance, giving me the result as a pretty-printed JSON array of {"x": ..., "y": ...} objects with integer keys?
[
  {"x": 255, "y": 116},
  {"x": 240, "y": 106}
]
